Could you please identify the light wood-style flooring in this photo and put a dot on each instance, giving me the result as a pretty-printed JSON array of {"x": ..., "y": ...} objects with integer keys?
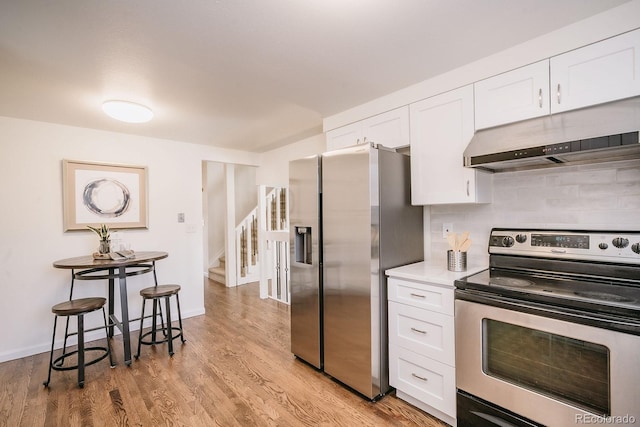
[{"x": 234, "y": 370}]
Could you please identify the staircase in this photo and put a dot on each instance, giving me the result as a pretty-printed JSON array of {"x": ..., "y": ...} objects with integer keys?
[
  {"x": 261, "y": 247},
  {"x": 218, "y": 274}
]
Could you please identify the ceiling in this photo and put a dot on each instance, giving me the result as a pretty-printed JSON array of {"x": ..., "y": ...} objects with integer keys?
[{"x": 245, "y": 74}]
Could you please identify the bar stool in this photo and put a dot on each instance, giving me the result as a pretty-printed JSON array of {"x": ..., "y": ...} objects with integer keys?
[
  {"x": 78, "y": 308},
  {"x": 155, "y": 293}
]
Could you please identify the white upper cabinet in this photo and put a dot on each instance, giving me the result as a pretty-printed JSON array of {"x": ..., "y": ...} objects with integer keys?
[
  {"x": 594, "y": 74},
  {"x": 390, "y": 129},
  {"x": 513, "y": 96},
  {"x": 344, "y": 136},
  {"x": 598, "y": 73},
  {"x": 441, "y": 128}
]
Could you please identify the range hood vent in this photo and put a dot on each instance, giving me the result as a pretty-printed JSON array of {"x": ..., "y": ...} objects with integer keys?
[{"x": 606, "y": 132}]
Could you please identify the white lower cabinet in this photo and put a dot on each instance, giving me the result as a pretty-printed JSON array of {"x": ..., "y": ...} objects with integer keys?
[
  {"x": 422, "y": 346},
  {"x": 424, "y": 379},
  {"x": 424, "y": 332}
]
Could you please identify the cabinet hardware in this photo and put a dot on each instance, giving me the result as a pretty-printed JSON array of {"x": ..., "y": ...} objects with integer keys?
[
  {"x": 558, "y": 93},
  {"x": 417, "y": 295},
  {"x": 419, "y": 331},
  {"x": 467, "y": 188},
  {"x": 540, "y": 97},
  {"x": 419, "y": 377}
]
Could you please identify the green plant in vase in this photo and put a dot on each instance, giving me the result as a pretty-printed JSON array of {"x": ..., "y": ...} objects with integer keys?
[{"x": 105, "y": 237}]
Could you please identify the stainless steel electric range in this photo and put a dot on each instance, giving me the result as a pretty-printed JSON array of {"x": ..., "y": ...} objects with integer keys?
[{"x": 550, "y": 333}]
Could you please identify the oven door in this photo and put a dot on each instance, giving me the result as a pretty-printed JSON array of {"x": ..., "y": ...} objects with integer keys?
[{"x": 551, "y": 371}]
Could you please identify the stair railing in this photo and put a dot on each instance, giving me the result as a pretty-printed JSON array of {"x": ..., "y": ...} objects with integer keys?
[
  {"x": 273, "y": 225},
  {"x": 247, "y": 268}
]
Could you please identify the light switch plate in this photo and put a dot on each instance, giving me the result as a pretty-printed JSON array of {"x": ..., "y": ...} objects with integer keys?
[{"x": 447, "y": 228}]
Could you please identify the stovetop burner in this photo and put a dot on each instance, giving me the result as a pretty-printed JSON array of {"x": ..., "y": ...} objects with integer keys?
[
  {"x": 603, "y": 296},
  {"x": 510, "y": 282},
  {"x": 549, "y": 287}
]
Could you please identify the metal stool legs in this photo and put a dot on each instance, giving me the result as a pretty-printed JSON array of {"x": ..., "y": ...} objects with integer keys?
[
  {"x": 156, "y": 294},
  {"x": 69, "y": 309}
]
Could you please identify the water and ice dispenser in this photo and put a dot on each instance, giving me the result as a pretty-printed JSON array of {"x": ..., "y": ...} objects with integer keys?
[{"x": 303, "y": 245}]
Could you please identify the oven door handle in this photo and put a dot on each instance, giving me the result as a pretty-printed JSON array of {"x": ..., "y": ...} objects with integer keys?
[
  {"x": 585, "y": 316},
  {"x": 616, "y": 323}
]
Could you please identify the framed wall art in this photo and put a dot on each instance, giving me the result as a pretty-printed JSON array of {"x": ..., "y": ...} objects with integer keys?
[{"x": 101, "y": 193}]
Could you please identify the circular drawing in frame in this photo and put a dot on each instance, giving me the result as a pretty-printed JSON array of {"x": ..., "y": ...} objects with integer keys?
[{"x": 106, "y": 197}]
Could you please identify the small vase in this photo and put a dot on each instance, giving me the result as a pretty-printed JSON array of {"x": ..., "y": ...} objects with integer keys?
[{"x": 104, "y": 247}]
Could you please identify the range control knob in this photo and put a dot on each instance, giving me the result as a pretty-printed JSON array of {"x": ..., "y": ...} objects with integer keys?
[
  {"x": 521, "y": 238},
  {"x": 620, "y": 242},
  {"x": 507, "y": 241},
  {"x": 603, "y": 246},
  {"x": 636, "y": 248}
]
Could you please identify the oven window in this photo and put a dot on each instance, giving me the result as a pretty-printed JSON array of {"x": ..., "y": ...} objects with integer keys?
[{"x": 573, "y": 371}]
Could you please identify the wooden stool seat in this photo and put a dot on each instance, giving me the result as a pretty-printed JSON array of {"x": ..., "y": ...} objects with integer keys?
[
  {"x": 155, "y": 293},
  {"x": 78, "y": 308},
  {"x": 159, "y": 291}
]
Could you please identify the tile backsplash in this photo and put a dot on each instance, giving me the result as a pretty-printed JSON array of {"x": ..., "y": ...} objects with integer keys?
[{"x": 597, "y": 196}]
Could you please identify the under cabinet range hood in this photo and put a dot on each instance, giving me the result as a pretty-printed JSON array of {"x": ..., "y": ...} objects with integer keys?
[{"x": 605, "y": 132}]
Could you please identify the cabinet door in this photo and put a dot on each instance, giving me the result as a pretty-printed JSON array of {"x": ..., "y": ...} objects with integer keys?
[
  {"x": 344, "y": 136},
  {"x": 513, "y": 96},
  {"x": 441, "y": 128},
  {"x": 391, "y": 129},
  {"x": 597, "y": 73}
]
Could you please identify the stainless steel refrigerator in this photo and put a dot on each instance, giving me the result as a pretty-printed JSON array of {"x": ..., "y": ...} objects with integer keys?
[{"x": 350, "y": 219}]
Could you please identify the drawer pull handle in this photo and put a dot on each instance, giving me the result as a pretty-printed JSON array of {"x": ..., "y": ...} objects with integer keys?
[
  {"x": 419, "y": 377},
  {"x": 417, "y": 295},
  {"x": 418, "y": 331}
]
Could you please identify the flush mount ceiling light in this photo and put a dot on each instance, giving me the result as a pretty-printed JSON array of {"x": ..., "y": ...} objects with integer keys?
[{"x": 126, "y": 111}]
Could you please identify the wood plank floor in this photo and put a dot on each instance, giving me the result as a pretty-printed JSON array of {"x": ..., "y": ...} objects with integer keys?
[{"x": 234, "y": 370}]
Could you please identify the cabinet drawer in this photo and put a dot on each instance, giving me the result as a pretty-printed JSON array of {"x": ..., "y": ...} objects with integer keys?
[
  {"x": 430, "y": 297},
  {"x": 422, "y": 331},
  {"x": 424, "y": 379}
]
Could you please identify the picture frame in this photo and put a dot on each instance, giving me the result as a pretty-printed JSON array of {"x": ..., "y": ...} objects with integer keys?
[{"x": 102, "y": 193}]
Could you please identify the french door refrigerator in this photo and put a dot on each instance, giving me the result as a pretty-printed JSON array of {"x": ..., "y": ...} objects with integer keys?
[{"x": 351, "y": 219}]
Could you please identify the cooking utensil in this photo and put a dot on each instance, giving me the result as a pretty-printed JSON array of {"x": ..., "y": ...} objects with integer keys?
[
  {"x": 463, "y": 237},
  {"x": 465, "y": 245},
  {"x": 451, "y": 239}
]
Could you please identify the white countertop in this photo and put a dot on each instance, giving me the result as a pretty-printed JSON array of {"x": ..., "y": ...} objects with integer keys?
[{"x": 427, "y": 271}]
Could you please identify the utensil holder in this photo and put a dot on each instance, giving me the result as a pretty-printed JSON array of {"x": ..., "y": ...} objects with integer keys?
[{"x": 456, "y": 261}]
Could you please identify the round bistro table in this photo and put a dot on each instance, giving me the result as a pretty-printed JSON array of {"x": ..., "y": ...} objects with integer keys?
[{"x": 88, "y": 268}]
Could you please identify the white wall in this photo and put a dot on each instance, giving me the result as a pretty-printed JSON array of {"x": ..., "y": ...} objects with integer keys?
[
  {"x": 602, "y": 196},
  {"x": 216, "y": 208},
  {"x": 274, "y": 164},
  {"x": 246, "y": 191},
  {"x": 31, "y": 226}
]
